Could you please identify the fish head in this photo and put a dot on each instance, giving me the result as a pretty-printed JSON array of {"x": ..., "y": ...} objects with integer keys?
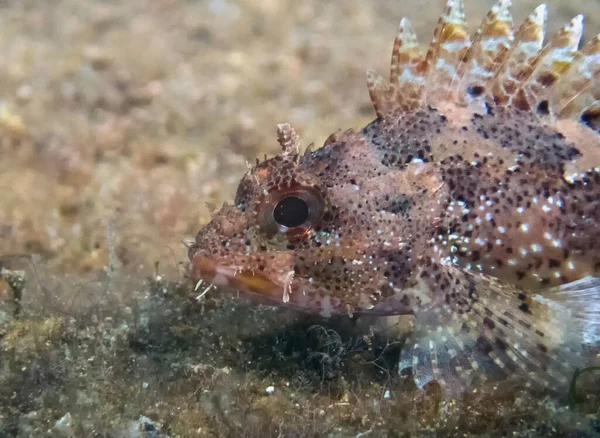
[{"x": 325, "y": 232}]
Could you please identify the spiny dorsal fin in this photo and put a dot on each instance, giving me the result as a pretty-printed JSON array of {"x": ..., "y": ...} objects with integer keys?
[
  {"x": 407, "y": 75},
  {"x": 406, "y": 89},
  {"x": 488, "y": 51},
  {"x": 308, "y": 150},
  {"x": 495, "y": 68},
  {"x": 382, "y": 95},
  {"x": 579, "y": 90},
  {"x": 554, "y": 59},
  {"x": 417, "y": 81},
  {"x": 288, "y": 139},
  {"x": 333, "y": 138},
  {"x": 517, "y": 67},
  {"x": 447, "y": 49}
]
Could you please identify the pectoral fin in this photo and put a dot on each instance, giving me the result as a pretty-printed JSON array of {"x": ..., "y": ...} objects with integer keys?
[{"x": 486, "y": 329}]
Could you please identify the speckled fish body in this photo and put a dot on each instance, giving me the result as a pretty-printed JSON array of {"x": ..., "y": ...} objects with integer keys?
[{"x": 472, "y": 202}]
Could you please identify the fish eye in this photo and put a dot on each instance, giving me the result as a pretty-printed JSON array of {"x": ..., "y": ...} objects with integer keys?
[{"x": 291, "y": 212}]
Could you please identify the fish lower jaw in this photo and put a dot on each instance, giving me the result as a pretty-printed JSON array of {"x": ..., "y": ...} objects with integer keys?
[
  {"x": 280, "y": 292},
  {"x": 246, "y": 280}
]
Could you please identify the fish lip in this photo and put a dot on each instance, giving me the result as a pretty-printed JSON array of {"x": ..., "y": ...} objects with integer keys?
[{"x": 209, "y": 270}]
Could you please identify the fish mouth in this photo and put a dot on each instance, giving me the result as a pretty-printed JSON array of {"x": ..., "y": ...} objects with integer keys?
[{"x": 255, "y": 282}]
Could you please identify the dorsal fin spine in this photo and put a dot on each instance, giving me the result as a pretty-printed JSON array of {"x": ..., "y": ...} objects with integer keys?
[{"x": 497, "y": 67}]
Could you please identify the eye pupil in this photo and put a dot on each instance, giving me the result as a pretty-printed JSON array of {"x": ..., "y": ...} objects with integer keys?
[{"x": 291, "y": 212}]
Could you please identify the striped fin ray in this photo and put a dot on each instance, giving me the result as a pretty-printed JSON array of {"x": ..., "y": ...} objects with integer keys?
[
  {"x": 488, "y": 50},
  {"x": 417, "y": 80},
  {"x": 382, "y": 94},
  {"x": 493, "y": 331},
  {"x": 405, "y": 90},
  {"x": 448, "y": 47},
  {"x": 497, "y": 67},
  {"x": 521, "y": 57},
  {"x": 407, "y": 73},
  {"x": 557, "y": 56},
  {"x": 445, "y": 353},
  {"x": 577, "y": 94}
]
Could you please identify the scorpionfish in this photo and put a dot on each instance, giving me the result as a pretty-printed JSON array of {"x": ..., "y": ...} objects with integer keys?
[{"x": 471, "y": 201}]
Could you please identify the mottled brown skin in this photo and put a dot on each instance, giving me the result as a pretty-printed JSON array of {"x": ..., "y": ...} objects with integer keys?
[{"x": 394, "y": 204}]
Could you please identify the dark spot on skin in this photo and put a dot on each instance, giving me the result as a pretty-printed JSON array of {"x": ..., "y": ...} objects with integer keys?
[
  {"x": 591, "y": 118},
  {"x": 399, "y": 143},
  {"x": 386, "y": 291},
  {"x": 475, "y": 91},
  {"x": 531, "y": 141},
  {"x": 543, "y": 108},
  {"x": 464, "y": 328},
  {"x": 500, "y": 344},
  {"x": 553, "y": 263},
  {"x": 483, "y": 345},
  {"x": 487, "y": 322},
  {"x": 547, "y": 79},
  {"x": 400, "y": 205},
  {"x": 524, "y": 307},
  {"x": 405, "y": 300}
]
